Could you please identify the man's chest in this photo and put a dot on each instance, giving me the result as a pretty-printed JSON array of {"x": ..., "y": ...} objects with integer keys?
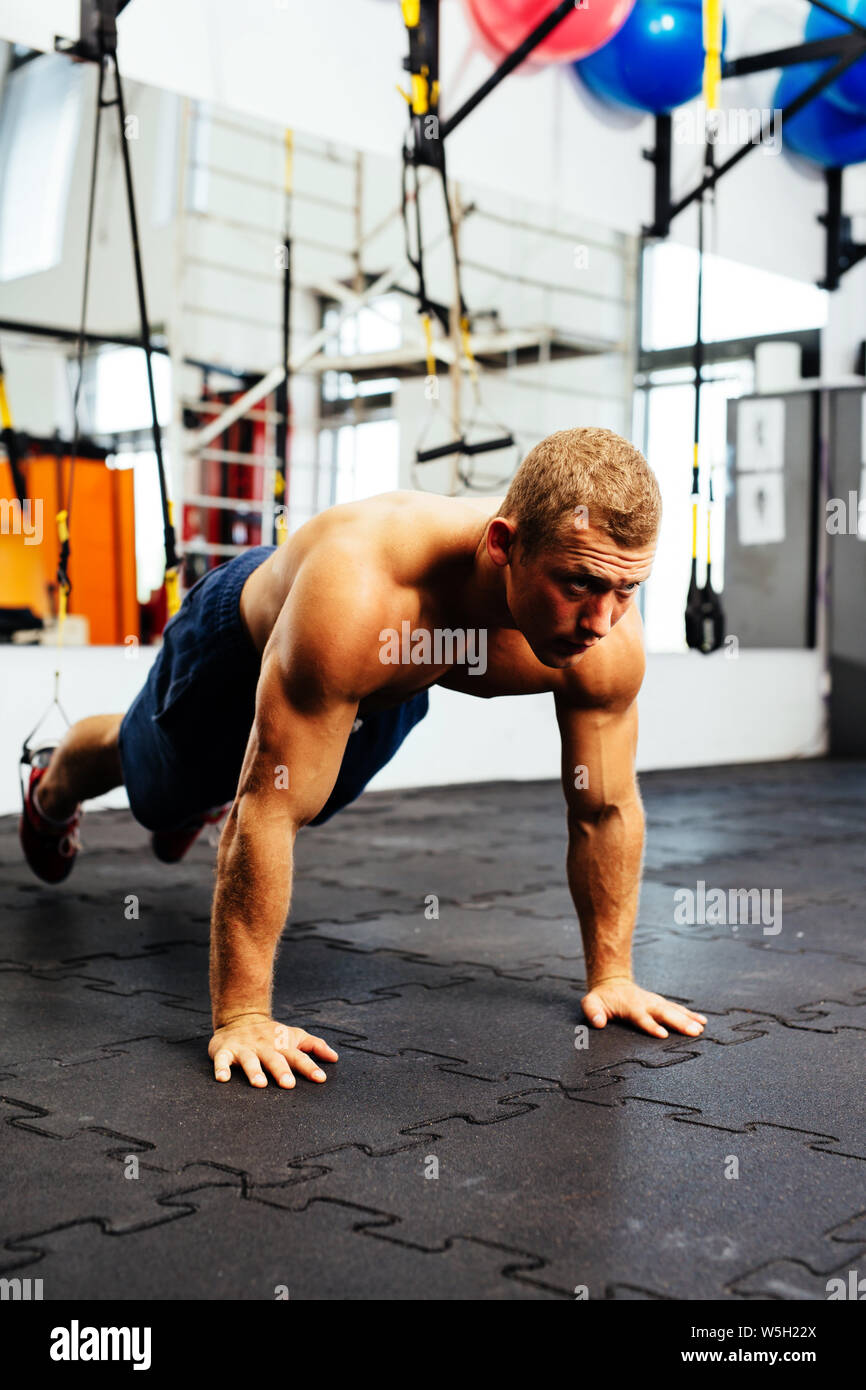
[{"x": 475, "y": 662}]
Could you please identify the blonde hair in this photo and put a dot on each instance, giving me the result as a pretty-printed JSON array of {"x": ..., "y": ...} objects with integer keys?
[{"x": 589, "y": 467}]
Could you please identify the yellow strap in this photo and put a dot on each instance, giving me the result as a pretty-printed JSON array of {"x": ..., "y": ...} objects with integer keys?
[
  {"x": 421, "y": 96},
  {"x": 172, "y": 578},
  {"x": 712, "y": 52},
  {"x": 420, "y": 92},
  {"x": 428, "y": 334},
  {"x": 407, "y": 96},
  {"x": 172, "y": 592},
  {"x": 62, "y": 520},
  {"x": 282, "y": 529},
  {"x": 467, "y": 349},
  {"x": 5, "y": 416},
  {"x": 61, "y": 619}
]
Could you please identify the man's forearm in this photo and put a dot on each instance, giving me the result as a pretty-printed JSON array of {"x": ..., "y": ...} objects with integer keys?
[
  {"x": 250, "y": 906},
  {"x": 604, "y": 870}
]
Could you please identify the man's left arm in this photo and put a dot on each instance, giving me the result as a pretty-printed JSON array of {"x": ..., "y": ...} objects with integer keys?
[{"x": 605, "y": 852}]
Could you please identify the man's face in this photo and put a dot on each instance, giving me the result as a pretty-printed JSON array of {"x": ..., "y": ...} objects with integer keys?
[{"x": 566, "y": 600}]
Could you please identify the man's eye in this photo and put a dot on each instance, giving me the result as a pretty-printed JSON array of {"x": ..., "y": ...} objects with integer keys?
[{"x": 583, "y": 584}]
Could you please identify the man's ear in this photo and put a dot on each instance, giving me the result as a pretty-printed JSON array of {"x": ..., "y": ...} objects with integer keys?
[{"x": 501, "y": 540}]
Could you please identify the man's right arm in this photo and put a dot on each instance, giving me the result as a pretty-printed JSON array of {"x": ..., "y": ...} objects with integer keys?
[{"x": 306, "y": 703}]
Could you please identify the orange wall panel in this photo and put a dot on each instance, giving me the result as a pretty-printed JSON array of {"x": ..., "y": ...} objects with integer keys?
[{"x": 102, "y": 541}]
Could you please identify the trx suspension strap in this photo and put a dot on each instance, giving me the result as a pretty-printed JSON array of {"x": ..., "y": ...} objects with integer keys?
[
  {"x": 425, "y": 146},
  {"x": 172, "y": 561},
  {"x": 506, "y": 439},
  {"x": 99, "y": 44},
  {"x": 704, "y": 618}
]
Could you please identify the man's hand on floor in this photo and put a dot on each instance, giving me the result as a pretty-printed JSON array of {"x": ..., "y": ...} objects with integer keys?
[
  {"x": 255, "y": 1041},
  {"x": 619, "y": 997}
]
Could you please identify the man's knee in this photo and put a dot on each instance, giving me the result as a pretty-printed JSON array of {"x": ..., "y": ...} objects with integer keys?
[
  {"x": 107, "y": 747},
  {"x": 111, "y": 733}
]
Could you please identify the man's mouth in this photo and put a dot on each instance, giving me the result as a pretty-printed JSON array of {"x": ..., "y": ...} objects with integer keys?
[{"x": 572, "y": 648}]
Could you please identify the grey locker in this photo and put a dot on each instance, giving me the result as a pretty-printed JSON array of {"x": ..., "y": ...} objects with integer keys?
[{"x": 769, "y": 589}]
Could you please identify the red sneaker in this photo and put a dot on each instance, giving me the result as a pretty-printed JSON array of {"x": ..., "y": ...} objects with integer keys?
[
  {"x": 171, "y": 845},
  {"x": 50, "y": 847}
]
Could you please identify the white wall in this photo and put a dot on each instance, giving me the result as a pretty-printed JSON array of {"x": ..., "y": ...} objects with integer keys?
[{"x": 331, "y": 68}]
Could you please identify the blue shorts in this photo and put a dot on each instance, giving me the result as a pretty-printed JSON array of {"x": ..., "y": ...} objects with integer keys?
[{"x": 184, "y": 737}]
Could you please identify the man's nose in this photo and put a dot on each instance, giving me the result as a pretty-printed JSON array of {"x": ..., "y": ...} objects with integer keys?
[{"x": 596, "y": 616}]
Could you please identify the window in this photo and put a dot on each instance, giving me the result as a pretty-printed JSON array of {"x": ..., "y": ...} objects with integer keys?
[
  {"x": 115, "y": 401},
  {"x": 358, "y": 461},
  {"x": 739, "y": 301},
  {"x": 39, "y": 125},
  {"x": 359, "y": 447},
  {"x": 149, "y": 536},
  {"x": 375, "y": 328},
  {"x": 116, "y": 382}
]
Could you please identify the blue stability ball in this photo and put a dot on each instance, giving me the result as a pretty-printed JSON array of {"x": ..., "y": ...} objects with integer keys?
[
  {"x": 849, "y": 92},
  {"x": 656, "y": 60},
  {"x": 821, "y": 131}
]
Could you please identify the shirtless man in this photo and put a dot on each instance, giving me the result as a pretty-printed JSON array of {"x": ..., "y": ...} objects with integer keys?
[{"x": 273, "y": 687}]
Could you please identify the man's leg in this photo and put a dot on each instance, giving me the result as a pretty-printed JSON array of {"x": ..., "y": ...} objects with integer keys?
[{"x": 86, "y": 763}]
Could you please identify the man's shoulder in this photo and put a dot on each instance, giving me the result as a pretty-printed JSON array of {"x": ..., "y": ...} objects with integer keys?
[
  {"x": 343, "y": 589},
  {"x": 400, "y": 529},
  {"x": 609, "y": 676},
  {"x": 380, "y": 555}
]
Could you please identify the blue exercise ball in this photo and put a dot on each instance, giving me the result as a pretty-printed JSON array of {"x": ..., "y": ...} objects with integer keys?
[
  {"x": 656, "y": 60},
  {"x": 849, "y": 91},
  {"x": 822, "y": 131}
]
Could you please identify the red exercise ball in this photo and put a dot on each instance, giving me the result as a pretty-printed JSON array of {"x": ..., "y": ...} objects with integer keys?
[{"x": 503, "y": 24}]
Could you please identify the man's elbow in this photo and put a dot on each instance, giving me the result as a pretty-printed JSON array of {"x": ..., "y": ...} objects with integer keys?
[
  {"x": 590, "y": 815},
  {"x": 262, "y": 816}
]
